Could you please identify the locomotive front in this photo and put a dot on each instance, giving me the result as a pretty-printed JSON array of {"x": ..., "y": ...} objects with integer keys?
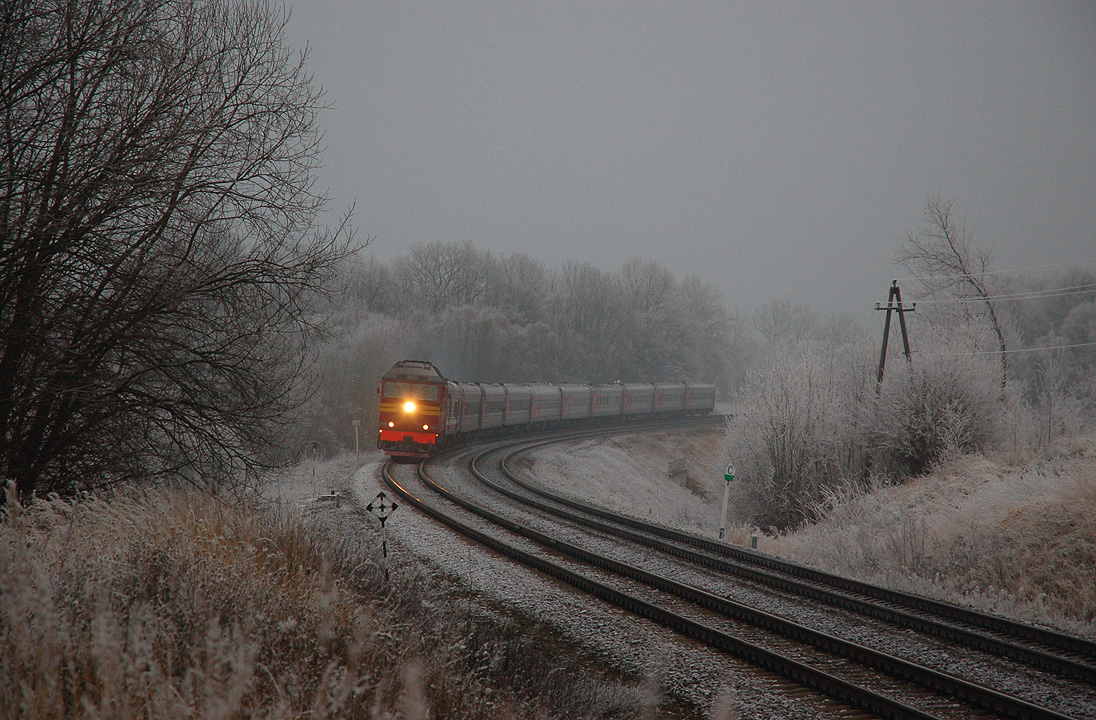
[{"x": 412, "y": 394}]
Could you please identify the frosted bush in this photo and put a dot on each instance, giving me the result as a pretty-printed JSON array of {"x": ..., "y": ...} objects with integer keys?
[
  {"x": 799, "y": 431},
  {"x": 813, "y": 421},
  {"x": 942, "y": 404}
]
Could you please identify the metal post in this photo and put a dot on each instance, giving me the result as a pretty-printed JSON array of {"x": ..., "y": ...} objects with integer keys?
[
  {"x": 723, "y": 522},
  {"x": 728, "y": 476},
  {"x": 383, "y": 510},
  {"x": 886, "y": 336},
  {"x": 384, "y": 548},
  {"x": 357, "y": 424},
  {"x": 894, "y": 304}
]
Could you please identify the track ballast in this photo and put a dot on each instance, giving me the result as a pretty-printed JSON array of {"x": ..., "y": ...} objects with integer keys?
[{"x": 869, "y": 680}]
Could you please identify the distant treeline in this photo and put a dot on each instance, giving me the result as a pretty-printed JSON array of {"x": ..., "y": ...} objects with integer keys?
[{"x": 509, "y": 318}]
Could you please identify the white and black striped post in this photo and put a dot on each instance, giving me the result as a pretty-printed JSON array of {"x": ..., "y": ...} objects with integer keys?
[{"x": 728, "y": 477}]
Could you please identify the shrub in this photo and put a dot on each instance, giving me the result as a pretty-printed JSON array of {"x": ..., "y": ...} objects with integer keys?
[
  {"x": 814, "y": 421},
  {"x": 798, "y": 431},
  {"x": 940, "y": 405}
]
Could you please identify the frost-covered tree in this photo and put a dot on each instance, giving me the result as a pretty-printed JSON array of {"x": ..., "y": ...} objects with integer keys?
[
  {"x": 943, "y": 256},
  {"x": 781, "y": 320},
  {"x": 438, "y": 275},
  {"x": 370, "y": 286},
  {"x": 809, "y": 422},
  {"x": 800, "y": 429},
  {"x": 1058, "y": 312},
  {"x": 158, "y": 250},
  {"x": 518, "y": 286},
  {"x": 589, "y": 316},
  {"x": 945, "y": 403}
]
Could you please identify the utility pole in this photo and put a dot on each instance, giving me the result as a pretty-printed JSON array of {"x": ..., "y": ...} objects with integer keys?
[{"x": 894, "y": 304}]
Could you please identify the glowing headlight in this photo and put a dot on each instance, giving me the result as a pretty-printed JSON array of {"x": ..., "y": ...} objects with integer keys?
[
  {"x": 425, "y": 427},
  {"x": 391, "y": 424},
  {"x": 409, "y": 406}
]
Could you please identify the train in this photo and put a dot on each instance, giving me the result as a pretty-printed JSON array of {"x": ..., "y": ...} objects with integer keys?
[{"x": 422, "y": 412}]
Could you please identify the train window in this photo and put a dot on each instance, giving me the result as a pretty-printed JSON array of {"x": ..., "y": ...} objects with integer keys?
[
  {"x": 426, "y": 392},
  {"x": 397, "y": 389}
]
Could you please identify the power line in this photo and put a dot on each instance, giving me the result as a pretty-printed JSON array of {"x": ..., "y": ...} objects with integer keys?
[
  {"x": 1026, "y": 295},
  {"x": 1000, "y": 272},
  {"x": 1009, "y": 352}
]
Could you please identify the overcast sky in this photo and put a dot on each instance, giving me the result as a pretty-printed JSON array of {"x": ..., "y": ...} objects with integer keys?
[{"x": 777, "y": 149}]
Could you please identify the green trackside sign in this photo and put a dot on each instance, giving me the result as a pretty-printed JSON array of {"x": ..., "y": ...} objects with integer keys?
[{"x": 729, "y": 475}]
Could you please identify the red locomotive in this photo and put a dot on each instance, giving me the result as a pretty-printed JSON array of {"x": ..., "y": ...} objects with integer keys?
[{"x": 412, "y": 393}]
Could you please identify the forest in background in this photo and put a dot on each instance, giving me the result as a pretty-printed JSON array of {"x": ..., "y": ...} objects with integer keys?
[
  {"x": 482, "y": 317},
  {"x": 486, "y": 317}
]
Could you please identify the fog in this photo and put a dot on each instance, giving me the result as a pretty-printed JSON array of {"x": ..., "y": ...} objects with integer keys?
[{"x": 777, "y": 151}]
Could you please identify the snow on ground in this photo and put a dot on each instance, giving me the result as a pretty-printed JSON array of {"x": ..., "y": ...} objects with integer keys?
[
  {"x": 629, "y": 473},
  {"x": 1011, "y": 535}
]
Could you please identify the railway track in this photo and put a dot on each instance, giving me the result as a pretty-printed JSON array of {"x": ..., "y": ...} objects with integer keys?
[
  {"x": 1055, "y": 652},
  {"x": 863, "y": 678}
]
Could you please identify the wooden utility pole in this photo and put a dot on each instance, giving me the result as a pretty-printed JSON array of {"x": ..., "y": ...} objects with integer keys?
[{"x": 894, "y": 304}]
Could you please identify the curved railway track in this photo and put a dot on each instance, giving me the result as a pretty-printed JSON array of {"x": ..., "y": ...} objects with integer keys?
[
  {"x": 1055, "y": 652},
  {"x": 861, "y": 677}
]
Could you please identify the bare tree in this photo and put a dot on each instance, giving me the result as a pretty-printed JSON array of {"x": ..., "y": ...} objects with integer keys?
[
  {"x": 591, "y": 320},
  {"x": 650, "y": 286},
  {"x": 517, "y": 285},
  {"x": 780, "y": 319},
  {"x": 157, "y": 238},
  {"x": 714, "y": 344},
  {"x": 439, "y": 275},
  {"x": 945, "y": 260},
  {"x": 654, "y": 321},
  {"x": 372, "y": 284}
]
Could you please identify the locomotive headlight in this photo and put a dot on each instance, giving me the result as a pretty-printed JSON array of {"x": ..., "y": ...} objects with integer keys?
[
  {"x": 425, "y": 427},
  {"x": 391, "y": 424},
  {"x": 409, "y": 406}
]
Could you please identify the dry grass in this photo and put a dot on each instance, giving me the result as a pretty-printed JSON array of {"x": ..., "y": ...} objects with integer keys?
[
  {"x": 1015, "y": 535},
  {"x": 173, "y": 603}
]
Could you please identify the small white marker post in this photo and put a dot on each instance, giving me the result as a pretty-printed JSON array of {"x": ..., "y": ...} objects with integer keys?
[
  {"x": 357, "y": 424},
  {"x": 728, "y": 476}
]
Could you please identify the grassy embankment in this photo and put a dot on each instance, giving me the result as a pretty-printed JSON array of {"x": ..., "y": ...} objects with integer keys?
[
  {"x": 173, "y": 603},
  {"x": 1013, "y": 534}
]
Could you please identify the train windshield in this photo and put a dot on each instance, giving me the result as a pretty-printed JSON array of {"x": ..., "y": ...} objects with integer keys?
[{"x": 407, "y": 390}]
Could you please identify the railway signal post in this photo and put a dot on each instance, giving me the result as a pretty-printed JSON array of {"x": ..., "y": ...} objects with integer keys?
[
  {"x": 383, "y": 508},
  {"x": 728, "y": 476}
]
